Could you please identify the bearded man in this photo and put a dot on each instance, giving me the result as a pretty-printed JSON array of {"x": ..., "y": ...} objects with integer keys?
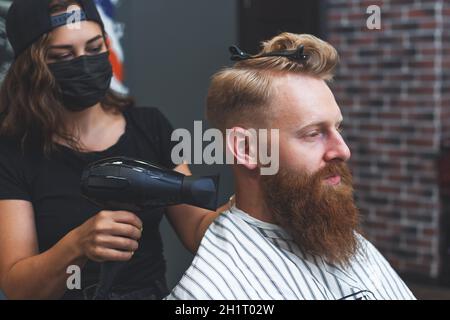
[{"x": 293, "y": 234}]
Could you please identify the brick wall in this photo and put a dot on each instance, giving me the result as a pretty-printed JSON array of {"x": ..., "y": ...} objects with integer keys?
[
  {"x": 391, "y": 89},
  {"x": 445, "y": 161},
  {"x": 446, "y": 75}
]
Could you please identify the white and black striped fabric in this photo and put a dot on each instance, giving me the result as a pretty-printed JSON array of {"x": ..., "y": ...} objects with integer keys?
[{"x": 241, "y": 258}]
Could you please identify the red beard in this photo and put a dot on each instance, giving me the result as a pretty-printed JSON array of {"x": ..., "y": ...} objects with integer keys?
[{"x": 321, "y": 218}]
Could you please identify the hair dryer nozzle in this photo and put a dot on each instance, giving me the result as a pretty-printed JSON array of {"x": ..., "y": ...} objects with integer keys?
[{"x": 201, "y": 191}]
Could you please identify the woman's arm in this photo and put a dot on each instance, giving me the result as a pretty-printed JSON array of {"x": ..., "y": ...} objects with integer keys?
[
  {"x": 189, "y": 222},
  {"x": 25, "y": 274}
]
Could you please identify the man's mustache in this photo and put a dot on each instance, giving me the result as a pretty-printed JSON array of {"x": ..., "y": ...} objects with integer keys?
[{"x": 336, "y": 168}]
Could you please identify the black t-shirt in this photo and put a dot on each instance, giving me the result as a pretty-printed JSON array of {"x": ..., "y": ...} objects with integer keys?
[{"x": 52, "y": 185}]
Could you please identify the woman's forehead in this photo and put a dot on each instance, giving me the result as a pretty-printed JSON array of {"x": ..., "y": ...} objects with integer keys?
[{"x": 75, "y": 34}]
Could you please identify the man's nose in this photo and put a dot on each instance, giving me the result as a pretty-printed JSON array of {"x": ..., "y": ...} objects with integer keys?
[{"x": 337, "y": 149}]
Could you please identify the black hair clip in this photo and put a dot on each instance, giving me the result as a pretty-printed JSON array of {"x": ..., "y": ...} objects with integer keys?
[{"x": 238, "y": 55}]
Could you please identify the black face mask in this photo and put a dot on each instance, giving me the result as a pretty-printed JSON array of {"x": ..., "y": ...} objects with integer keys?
[{"x": 83, "y": 81}]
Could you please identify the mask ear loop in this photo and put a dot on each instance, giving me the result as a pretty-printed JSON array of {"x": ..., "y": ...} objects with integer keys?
[{"x": 298, "y": 54}]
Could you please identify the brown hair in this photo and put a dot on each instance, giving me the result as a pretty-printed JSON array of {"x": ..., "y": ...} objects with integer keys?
[
  {"x": 30, "y": 111},
  {"x": 240, "y": 94}
]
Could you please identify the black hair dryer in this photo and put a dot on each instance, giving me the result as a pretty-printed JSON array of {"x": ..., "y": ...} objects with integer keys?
[{"x": 122, "y": 183}]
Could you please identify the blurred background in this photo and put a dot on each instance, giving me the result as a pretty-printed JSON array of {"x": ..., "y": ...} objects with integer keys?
[{"x": 393, "y": 87}]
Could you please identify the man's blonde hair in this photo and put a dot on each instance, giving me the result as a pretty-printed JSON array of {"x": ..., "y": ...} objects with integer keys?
[{"x": 239, "y": 95}]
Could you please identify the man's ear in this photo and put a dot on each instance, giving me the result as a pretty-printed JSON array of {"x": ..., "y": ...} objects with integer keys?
[{"x": 242, "y": 144}]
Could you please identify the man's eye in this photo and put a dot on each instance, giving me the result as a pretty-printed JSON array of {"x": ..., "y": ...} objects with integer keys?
[{"x": 313, "y": 134}]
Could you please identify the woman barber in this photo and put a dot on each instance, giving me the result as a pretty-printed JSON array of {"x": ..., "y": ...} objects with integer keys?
[{"x": 57, "y": 114}]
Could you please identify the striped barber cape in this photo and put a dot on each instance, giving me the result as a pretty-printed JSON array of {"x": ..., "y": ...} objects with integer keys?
[{"x": 242, "y": 258}]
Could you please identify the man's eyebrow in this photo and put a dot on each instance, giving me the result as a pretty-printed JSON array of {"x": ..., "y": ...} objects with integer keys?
[
  {"x": 68, "y": 46},
  {"x": 320, "y": 124}
]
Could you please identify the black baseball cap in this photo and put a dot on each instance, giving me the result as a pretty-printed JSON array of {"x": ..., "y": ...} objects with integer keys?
[{"x": 28, "y": 20}]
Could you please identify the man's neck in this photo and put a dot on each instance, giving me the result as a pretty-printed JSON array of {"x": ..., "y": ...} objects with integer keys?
[{"x": 250, "y": 199}]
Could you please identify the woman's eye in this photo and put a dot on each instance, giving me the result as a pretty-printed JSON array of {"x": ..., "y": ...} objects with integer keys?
[
  {"x": 60, "y": 57},
  {"x": 95, "y": 50}
]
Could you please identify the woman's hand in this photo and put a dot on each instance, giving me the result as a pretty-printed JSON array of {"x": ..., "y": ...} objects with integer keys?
[{"x": 110, "y": 236}]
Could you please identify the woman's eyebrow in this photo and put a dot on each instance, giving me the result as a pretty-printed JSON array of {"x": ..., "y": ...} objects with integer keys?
[
  {"x": 63, "y": 46},
  {"x": 69, "y": 46},
  {"x": 94, "y": 39}
]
